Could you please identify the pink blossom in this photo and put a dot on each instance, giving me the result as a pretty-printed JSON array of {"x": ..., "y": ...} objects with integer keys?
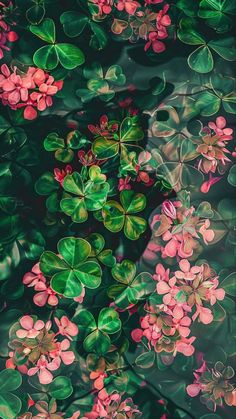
[
  {"x": 105, "y": 6},
  {"x": 124, "y": 184},
  {"x": 46, "y": 295},
  {"x": 161, "y": 274},
  {"x": 185, "y": 346},
  {"x": 32, "y": 278},
  {"x": 188, "y": 273},
  {"x": 163, "y": 21},
  {"x": 207, "y": 234},
  {"x": 205, "y": 315},
  {"x": 214, "y": 293},
  {"x": 62, "y": 353},
  {"x": 130, "y": 6},
  {"x": 169, "y": 209},
  {"x": 219, "y": 127},
  {"x": 43, "y": 368},
  {"x": 137, "y": 335},
  {"x": 153, "y": 41},
  {"x": 66, "y": 327},
  {"x": 205, "y": 187},
  {"x": 60, "y": 174},
  {"x": 30, "y": 329}
]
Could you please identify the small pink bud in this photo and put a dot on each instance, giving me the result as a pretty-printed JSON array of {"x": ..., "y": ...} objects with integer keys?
[{"x": 169, "y": 209}]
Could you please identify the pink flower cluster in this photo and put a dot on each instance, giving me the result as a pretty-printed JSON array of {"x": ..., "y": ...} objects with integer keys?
[
  {"x": 155, "y": 37},
  {"x": 111, "y": 406},
  {"x": 32, "y": 90},
  {"x": 45, "y": 294},
  {"x": 213, "y": 148},
  {"x": 6, "y": 34},
  {"x": 36, "y": 348},
  {"x": 213, "y": 151},
  {"x": 184, "y": 297},
  {"x": 105, "y": 7},
  {"x": 177, "y": 231}
]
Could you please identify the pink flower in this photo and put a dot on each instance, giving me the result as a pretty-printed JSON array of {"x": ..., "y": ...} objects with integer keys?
[
  {"x": 187, "y": 273},
  {"x": 105, "y": 6},
  {"x": 60, "y": 174},
  {"x": 185, "y": 346},
  {"x": 169, "y": 290},
  {"x": 62, "y": 353},
  {"x": 66, "y": 327},
  {"x": 214, "y": 293},
  {"x": 219, "y": 128},
  {"x": 137, "y": 335},
  {"x": 32, "y": 278},
  {"x": 182, "y": 325},
  {"x": 157, "y": 46},
  {"x": 130, "y": 6},
  {"x": 30, "y": 330},
  {"x": 46, "y": 295},
  {"x": 161, "y": 274},
  {"x": 43, "y": 368},
  {"x": 163, "y": 21},
  {"x": 205, "y": 187},
  {"x": 124, "y": 184},
  {"x": 205, "y": 315},
  {"x": 169, "y": 209},
  {"x": 207, "y": 234}
]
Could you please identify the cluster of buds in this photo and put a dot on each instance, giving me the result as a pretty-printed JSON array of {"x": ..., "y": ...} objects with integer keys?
[
  {"x": 179, "y": 300},
  {"x": 32, "y": 90},
  {"x": 36, "y": 349}
]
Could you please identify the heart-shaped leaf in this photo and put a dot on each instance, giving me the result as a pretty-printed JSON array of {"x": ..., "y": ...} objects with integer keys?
[{"x": 45, "y": 30}]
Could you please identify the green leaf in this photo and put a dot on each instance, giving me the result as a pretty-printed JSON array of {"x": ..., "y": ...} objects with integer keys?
[
  {"x": 73, "y": 250},
  {"x": 35, "y": 14},
  {"x": 132, "y": 202},
  {"x": 10, "y": 380},
  {"x": 108, "y": 321},
  {"x": 89, "y": 273},
  {"x": 97, "y": 342},
  {"x": 224, "y": 47},
  {"x": 208, "y": 103},
  {"x": 201, "y": 60},
  {"x": 51, "y": 263},
  {"x": 75, "y": 208},
  {"x": 4, "y": 125},
  {"x": 99, "y": 39},
  {"x": 130, "y": 130},
  {"x": 73, "y": 23},
  {"x": 229, "y": 284},
  {"x": 97, "y": 243},
  {"x": 232, "y": 176},
  {"x": 46, "y": 184},
  {"x": 69, "y": 56},
  {"x": 104, "y": 148},
  {"x": 60, "y": 388},
  {"x": 115, "y": 75},
  {"x": 74, "y": 184},
  {"x": 134, "y": 227},
  {"x": 85, "y": 321},
  {"x": 45, "y": 31},
  {"x": 145, "y": 360},
  {"x": 53, "y": 142},
  {"x": 107, "y": 258},
  {"x": 113, "y": 216},
  {"x": 10, "y": 406},
  {"x": 66, "y": 283},
  {"x": 190, "y": 37},
  {"x": 46, "y": 57},
  {"x": 124, "y": 272}
]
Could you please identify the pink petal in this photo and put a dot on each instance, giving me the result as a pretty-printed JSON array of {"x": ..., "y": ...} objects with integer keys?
[
  {"x": 45, "y": 377},
  {"x": 52, "y": 300},
  {"x": 137, "y": 335},
  {"x": 162, "y": 287},
  {"x": 171, "y": 248},
  {"x": 26, "y": 322},
  {"x": 40, "y": 299},
  {"x": 32, "y": 371},
  {"x": 178, "y": 312},
  {"x": 220, "y": 122},
  {"x": 184, "y": 265},
  {"x": 21, "y": 333},
  {"x": 39, "y": 325},
  {"x": 30, "y": 113},
  {"x": 68, "y": 357},
  {"x": 193, "y": 390}
]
